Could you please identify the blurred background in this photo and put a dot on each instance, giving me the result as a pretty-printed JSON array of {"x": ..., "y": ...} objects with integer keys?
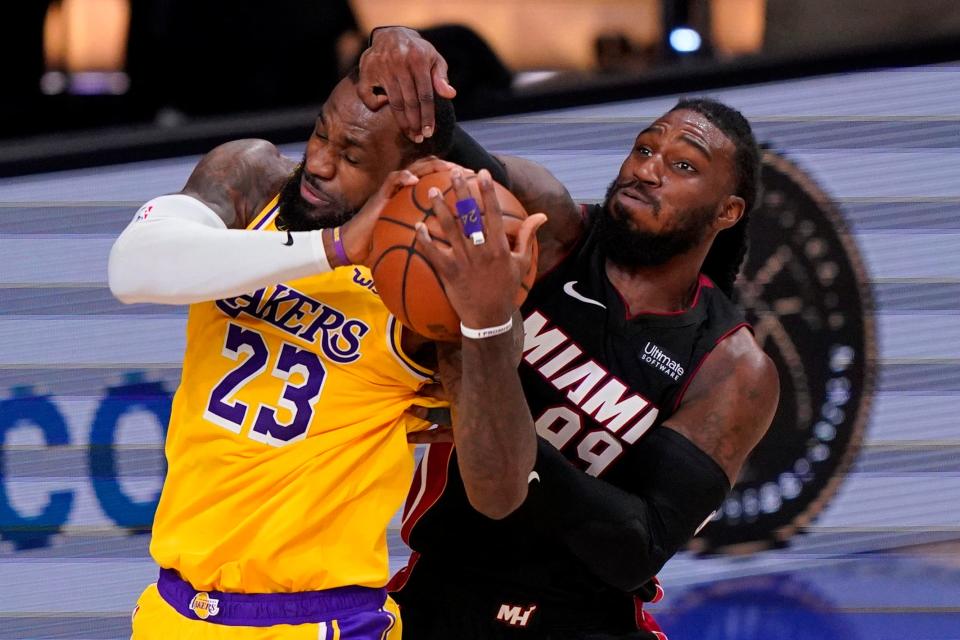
[
  {"x": 163, "y": 73},
  {"x": 845, "y": 522}
]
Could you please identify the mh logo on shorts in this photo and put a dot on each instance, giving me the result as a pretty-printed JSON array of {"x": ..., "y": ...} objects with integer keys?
[
  {"x": 204, "y": 606},
  {"x": 514, "y": 615}
]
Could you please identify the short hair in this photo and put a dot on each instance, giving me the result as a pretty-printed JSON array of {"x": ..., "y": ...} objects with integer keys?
[
  {"x": 723, "y": 261},
  {"x": 445, "y": 121}
]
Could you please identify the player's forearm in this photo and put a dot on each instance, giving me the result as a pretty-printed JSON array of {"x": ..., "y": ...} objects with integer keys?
[
  {"x": 188, "y": 255},
  {"x": 625, "y": 537},
  {"x": 493, "y": 431},
  {"x": 468, "y": 153}
]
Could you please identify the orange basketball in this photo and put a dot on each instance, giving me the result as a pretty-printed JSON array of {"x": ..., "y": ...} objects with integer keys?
[{"x": 404, "y": 276}]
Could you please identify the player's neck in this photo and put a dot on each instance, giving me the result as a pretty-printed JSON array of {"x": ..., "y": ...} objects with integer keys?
[{"x": 665, "y": 288}]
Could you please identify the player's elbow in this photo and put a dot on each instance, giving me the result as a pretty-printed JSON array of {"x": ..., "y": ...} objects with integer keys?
[
  {"x": 622, "y": 554},
  {"x": 496, "y": 502},
  {"x": 121, "y": 285},
  {"x": 125, "y": 274}
]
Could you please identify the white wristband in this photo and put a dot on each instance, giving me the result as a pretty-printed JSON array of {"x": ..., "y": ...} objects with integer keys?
[{"x": 486, "y": 332}]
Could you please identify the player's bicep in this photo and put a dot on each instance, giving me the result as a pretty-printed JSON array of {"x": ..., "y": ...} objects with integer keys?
[{"x": 730, "y": 403}]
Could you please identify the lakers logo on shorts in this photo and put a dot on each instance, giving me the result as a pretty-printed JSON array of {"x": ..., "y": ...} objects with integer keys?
[{"x": 204, "y": 606}]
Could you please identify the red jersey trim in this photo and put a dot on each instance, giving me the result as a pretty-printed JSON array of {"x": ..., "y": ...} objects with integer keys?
[
  {"x": 428, "y": 485},
  {"x": 702, "y": 281},
  {"x": 399, "y": 581},
  {"x": 645, "y": 621},
  {"x": 658, "y": 596}
]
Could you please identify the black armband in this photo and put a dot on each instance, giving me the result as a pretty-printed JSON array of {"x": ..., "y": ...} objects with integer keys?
[
  {"x": 624, "y": 538},
  {"x": 468, "y": 153}
]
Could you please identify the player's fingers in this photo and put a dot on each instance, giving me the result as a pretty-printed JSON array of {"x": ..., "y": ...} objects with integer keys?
[
  {"x": 438, "y": 255},
  {"x": 469, "y": 212},
  {"x": 492, "y": 213},
  {"x": 440, "y": 434},
  {"x": 396, "y": 181},
  {"x": 411, "y": 106},
  {"x": 460, "y": 186},
  {"x": 365, "y": 84},
  {"x": 448, "y": 221},
  {"x": 397, "y": 104},
  {"x": 440, "y": 83},
  {"x": 433, "y": 164},
  {"x": 437, "y": 165},
  {"x": 528, "y": 230},
  {"x": 372, "y": 208},
  {"x": 367, "y": 96},
  {"x": 424, "y": 88}
]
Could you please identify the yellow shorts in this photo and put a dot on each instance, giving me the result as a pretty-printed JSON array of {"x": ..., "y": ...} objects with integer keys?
[{"x": 154, "y": 619}]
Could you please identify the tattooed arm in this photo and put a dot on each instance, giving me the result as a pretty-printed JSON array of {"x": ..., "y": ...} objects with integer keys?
[
  {"x": 238, "y": 178},
  {"x": 194, "y": 246},
  {"x": 191, "y": 247},
  {"x": 493, "y": 430},
  {"x": 730, "y": 403},
  {"x": 681, "y": 472}
]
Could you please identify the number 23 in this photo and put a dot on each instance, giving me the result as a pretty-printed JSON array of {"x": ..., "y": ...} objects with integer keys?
[{"x": 298, "y": 399}]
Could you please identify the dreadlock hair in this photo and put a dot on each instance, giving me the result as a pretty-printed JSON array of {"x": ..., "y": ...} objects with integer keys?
[{"x": 723, "y": 261}]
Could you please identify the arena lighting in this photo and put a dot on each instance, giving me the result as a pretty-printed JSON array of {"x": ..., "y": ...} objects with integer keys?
[
  {"x": 685, "y": 24},
  {"x": 85, "y": 47},
  {"x": 685, "y": 40}
]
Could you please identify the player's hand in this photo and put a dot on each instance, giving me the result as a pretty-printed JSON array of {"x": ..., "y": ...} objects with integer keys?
[
  {"x": 481, "y": 281},
  {"x": 410, "y": 71},
  {"x": 357, "y": 233}
]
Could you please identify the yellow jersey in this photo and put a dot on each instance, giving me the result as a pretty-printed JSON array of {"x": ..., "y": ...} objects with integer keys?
[{"x": 286, "y": 450}]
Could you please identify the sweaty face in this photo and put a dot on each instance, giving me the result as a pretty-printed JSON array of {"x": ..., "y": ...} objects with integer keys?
[
  {"x": 668, "y": 192},
  {"x": 348, "y": 155}
]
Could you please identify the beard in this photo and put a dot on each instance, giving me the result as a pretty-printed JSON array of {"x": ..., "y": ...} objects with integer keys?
[
  {"x": 627, "y": 246},
  {"x": 296, "y": 214}
]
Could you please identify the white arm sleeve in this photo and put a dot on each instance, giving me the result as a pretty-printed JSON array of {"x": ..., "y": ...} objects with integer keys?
[{"x": 178, "y": 251}]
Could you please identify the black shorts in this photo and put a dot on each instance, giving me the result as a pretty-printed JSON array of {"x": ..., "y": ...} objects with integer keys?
[
  {"x": 446, "y": 620},
  {"x": 432, "y": 607}
]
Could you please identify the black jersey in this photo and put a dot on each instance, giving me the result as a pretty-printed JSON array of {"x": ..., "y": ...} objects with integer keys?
[{"x": 596, "y": 379}]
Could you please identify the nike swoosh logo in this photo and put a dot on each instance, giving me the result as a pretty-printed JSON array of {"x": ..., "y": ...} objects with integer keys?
[
  {"x": 533, "y": 476},
  {"x": 289, "y": 242},
  {"x": 570, "y": 291}
]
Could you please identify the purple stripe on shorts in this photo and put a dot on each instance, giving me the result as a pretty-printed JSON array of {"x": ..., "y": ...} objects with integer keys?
[{"x": 267, "y": 609}]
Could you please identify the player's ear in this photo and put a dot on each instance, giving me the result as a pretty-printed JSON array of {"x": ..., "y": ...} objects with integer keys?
[{"x": 731, "y": 210}]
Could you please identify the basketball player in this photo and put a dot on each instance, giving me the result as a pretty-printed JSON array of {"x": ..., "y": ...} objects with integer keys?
[
  {"x": 286, "y": 449},
  {"x": 644, "y": 393}
]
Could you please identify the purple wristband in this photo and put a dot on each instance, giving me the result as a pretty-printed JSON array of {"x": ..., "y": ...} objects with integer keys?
[{"x": 338, "y": 247}]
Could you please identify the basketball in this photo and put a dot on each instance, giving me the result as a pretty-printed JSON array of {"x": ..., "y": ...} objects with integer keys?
[{"x": 404, "y": 277}]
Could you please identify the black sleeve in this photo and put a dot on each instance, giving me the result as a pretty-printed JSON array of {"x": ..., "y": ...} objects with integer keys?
[
  {"x": 624, "y": 538},
  {"x": 468, "y": 153}
]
